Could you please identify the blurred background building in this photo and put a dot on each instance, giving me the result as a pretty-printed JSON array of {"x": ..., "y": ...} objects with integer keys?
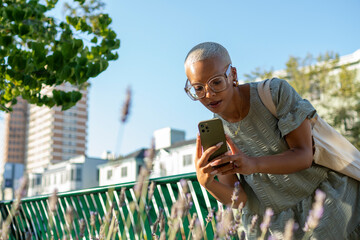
[
  {"x": 37, "y": 137},
  {"x": 14, "y": 150}
]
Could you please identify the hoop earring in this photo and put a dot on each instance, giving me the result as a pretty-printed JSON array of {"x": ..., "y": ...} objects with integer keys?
[{"x": 235, "y": 83}]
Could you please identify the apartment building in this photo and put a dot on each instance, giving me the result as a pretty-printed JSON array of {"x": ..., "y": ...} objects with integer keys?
[
  {"x": 55, "y": 135},
  {"x": 14, "y": 148}
]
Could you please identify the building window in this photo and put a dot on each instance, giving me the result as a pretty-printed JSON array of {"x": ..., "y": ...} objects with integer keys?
[
  {"x": 109, "y": 174},
  {"x": 187, "y": 160},
  {"x": 124, "y": 172},
  {"x": 138, "y": 170},
  {"x": 76, "y": 174},
  {"x": 38, "y": 181}
]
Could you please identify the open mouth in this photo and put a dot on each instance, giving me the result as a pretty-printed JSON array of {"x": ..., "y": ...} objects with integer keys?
[{"x": 214, "y": 104}]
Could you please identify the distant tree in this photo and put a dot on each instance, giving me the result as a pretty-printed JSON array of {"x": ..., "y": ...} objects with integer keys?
[
  {"x": 258, "y": 73},
  {"x": 346, "y": 114},
  {"x": 333, "y": 89},
  {"x": 38, "y": 51}
]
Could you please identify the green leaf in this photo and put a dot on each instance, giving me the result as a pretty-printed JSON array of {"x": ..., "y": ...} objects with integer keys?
[
  {"x": 75, "y": 96},
  {"x": 30, "y": 82},
  {"x": 24, "y": 29},
  {"x": 67, "y": 50},
  {"x": 9, "y": 13},
  {"x": 50, "y": 62},
  {"x": 15, "y": 92},
  {"x": 57, "y": 98},
  {"x": 79, "y": 73},
  {"x": 112, "y": 56},
  {"x": 78, "y": 44},
  {"x": 66, "y": 72},
  {"x": 3, "y": 53},
  {"x": 94, "y": 40},
  {"x": 82, "y": 61},
  {"x": 93, "y": 69},
  {"x": 103, "y": 65},
  {"x": 18, "y": 15},
  {"x": 50, "y": 81},
  {"x": 58, "y": 60},
  {"x": 111, "y": 35},
  {"x": 19, "y": 62},
  {"x": 6, "y": 40}
]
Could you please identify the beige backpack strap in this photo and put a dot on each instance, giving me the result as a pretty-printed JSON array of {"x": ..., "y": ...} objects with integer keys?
[{"x": 265, "y": 95}]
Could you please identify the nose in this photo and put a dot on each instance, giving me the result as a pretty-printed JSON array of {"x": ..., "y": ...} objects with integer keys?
[{"x": 209, "y": 92}]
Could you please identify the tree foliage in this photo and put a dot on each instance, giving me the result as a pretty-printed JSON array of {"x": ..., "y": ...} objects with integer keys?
[
  {"x": 40, "y": 52},
  {"x": 333, "y": 89}
]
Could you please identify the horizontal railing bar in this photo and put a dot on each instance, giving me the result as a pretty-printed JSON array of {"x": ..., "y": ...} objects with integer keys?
[{"x": 159, "y": 180}]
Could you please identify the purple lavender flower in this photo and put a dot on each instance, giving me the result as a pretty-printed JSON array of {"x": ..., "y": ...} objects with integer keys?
[
  {"x": 316, "y": 212},
  {"x": 266, "y": 220}
]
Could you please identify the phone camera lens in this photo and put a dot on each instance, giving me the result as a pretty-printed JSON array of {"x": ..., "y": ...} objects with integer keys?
[
  {"x": 202, "y": 125},
  {"x": 203, "y": 130}
]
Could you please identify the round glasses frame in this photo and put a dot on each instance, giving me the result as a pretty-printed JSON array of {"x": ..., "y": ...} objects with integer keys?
[{"x": 188, "y": 85}]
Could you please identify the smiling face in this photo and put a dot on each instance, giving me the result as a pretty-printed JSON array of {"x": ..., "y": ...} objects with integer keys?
[{"x": 201, "y": 72}]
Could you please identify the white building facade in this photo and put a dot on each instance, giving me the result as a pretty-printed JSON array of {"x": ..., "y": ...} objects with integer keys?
[
  {"x": 125, "y": 169},
  {"x": 175, "y": 159},
  {"x": 77, "y": 173},
  {"x": 173, "y": 155}
]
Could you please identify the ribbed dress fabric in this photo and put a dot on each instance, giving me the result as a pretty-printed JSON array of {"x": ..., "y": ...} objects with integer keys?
[{"x": 291, "y": 195}]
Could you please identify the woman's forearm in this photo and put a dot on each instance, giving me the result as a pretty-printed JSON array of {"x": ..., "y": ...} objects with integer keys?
[
  {"x": 223, "y": 193},
  {"x": 287, "y": 162}
]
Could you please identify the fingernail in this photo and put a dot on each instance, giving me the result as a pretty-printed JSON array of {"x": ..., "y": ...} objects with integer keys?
[
  {"x": 213, "y": 164},
  {"x": 219, "y": 144},
  {"x": 214, "y": 172}
]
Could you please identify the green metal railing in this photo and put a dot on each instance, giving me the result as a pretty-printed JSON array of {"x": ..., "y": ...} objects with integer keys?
[{"x": 34, "y": 216}]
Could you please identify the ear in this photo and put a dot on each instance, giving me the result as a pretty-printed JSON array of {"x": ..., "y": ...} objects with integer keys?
[
  {"x": 234, "y": 76},
  {"x": 234, "y": 72}
]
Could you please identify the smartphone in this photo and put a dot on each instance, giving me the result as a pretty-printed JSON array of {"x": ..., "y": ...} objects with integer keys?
[{"x": 211, "y": 133}]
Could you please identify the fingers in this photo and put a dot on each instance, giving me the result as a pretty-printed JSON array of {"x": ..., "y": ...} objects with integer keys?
[
  {"x": 225, "y": 168},
  {"x": 222, "y": 159},
  {"x": 231, "y": 144},
  {"x": 204, "y": 159},
  {"x": 230, "y": 171},
  {"x": 209, "y": 169},
  {"x": 198, "y": 147}
]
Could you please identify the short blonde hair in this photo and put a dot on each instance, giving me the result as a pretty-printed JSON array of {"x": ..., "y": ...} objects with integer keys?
[{"x": 207, "y": 50}]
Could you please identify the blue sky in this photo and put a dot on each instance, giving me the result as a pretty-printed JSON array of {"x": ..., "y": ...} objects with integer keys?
[{"x": 157, "y": 34}]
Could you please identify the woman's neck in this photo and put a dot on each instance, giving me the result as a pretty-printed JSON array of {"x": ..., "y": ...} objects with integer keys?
[{"x": 239, "y": 106}]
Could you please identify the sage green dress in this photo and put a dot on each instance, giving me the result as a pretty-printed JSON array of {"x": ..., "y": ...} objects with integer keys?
[{"x": 291, "y": 195}]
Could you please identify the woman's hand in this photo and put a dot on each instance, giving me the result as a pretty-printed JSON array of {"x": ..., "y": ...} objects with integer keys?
[
  {"x": 204, "y": 171},
  {"x": 223, "y": 189},
  {"x": 238, "y": 161}
]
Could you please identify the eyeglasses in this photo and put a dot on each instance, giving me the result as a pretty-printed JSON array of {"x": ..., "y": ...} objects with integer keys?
[{"x": 217, "y": 84}]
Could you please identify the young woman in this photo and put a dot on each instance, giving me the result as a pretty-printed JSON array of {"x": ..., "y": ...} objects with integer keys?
[{"x": 271, "y": 157}]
